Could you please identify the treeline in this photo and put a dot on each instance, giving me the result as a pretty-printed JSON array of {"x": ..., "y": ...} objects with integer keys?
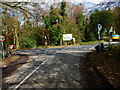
[
  {"x": 106, "y": 18},
  {"x": 45, "y": 26}
]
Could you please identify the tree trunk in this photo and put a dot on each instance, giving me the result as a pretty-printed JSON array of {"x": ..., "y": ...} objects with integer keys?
[{"x": 16, "y": 39}]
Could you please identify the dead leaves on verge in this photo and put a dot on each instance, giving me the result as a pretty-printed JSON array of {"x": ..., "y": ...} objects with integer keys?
[{"x": 108, "y": 63}]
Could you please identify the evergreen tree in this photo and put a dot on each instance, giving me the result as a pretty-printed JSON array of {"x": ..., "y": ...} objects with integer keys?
[
  {"x": 80, "y": 23},
  {"x": 53, "y": 27},
  {"x": 63, "y": 8}
]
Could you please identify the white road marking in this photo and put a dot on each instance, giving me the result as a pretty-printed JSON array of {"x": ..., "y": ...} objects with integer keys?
[{"x": 31, "y": 74}]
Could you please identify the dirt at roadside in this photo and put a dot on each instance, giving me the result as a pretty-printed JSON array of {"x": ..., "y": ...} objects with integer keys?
[
  {"x": 12, "y": 63},
  {"x": 9, "y": 60},
  {"x": 108, "y": 67}
]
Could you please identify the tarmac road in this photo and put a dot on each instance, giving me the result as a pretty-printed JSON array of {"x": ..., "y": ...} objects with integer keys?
[{"x": 65, "y": 67}]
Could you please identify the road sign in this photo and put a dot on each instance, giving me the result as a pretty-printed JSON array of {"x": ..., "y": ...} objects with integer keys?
[
  {"x": 111, "y": 29},
  {"x": 2, "y": 38},
  {"x": 67, "y": 37},
  {"x": 11, "y": 46},
  {"x": 99, "y": 28}
]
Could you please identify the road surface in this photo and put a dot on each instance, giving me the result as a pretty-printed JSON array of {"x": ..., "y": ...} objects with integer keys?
[{"x": 65, "y": 67}]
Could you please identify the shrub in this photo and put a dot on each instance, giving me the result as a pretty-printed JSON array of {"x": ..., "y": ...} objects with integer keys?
[{"x": 28, "y": 42}]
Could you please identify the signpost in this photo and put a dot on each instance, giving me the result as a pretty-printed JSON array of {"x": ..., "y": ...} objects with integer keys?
[
  {"x": 11, "y": 46},
  {"x": 2, "y": 39},
  {"x": 99, "y": 29},
  {"x": 111, "y": 30}
]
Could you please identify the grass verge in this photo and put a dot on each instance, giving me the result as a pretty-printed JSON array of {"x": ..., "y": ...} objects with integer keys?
[{"x": 64, "y": 45}]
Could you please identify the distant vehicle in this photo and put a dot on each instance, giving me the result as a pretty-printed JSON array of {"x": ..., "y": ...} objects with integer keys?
[{"x": 115, "y": 37}]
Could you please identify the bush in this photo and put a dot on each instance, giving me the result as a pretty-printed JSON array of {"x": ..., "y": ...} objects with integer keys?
[
  {"x": 28, "y": 42},
  {"x": 92, "y": 36}
]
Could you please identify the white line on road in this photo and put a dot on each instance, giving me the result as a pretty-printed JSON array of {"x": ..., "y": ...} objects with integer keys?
[{"x": 31, "y": 74}]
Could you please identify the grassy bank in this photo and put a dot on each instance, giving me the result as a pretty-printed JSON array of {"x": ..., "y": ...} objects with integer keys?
[
  {"x": 108, "y": 63},
  {"x": 63, "y": 45},
  {"x": 84, "y": 43}
]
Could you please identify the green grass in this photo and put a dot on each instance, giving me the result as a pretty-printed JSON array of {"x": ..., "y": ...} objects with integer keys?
[
  {"x": 43, "y": 46},
  {"x": 0, "y": 56},
  {"x": 54, "y": 46},
  {"x": 84, "y": 43}
]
